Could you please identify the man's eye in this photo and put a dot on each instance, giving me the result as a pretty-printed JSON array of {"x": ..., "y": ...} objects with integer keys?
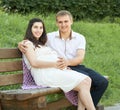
[
  {"x": 66, "y": 21},
  {"x": 59, "y": 22}
]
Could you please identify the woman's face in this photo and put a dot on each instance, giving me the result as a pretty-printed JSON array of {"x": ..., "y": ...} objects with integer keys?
[{"x": 37, "y": 29}]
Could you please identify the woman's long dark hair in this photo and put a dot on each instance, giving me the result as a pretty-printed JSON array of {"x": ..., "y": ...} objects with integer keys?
[{"x": 42, "y": 40}]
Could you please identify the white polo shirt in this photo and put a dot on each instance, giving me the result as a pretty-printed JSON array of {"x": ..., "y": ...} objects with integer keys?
[{"x": 66, "y": 48}]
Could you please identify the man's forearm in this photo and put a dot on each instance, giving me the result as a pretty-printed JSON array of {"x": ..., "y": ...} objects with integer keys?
[{"x": 74, "y": 61}]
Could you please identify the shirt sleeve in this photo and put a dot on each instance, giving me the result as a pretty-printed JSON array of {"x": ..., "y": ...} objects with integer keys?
[{"x": 82, "y": 43}]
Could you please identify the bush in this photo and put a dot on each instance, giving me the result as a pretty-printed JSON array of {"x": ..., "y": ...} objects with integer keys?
[{"x": 81, "y": 9}]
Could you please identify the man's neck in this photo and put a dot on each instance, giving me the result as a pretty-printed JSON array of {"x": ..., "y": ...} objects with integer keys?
[{"x": 66, "y": 35}]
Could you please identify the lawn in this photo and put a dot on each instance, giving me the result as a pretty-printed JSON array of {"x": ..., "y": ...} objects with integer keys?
[{"x": 102, "y": 51}]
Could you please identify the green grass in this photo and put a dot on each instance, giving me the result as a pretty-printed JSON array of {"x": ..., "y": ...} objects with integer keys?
[
  {"x": 102, "y": 51},
  {"x": 103, "y": 54}
]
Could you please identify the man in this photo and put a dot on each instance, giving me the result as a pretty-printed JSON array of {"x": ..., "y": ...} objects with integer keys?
[{"x": 71, "y": 49}]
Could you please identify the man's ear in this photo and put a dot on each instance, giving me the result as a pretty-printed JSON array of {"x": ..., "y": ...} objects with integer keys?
[{"x": 71, "y": 22}]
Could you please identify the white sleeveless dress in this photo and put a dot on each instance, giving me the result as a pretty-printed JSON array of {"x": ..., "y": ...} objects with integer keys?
[{"x": 52, "y": 77}]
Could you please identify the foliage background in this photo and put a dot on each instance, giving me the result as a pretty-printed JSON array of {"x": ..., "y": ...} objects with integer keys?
[{"x": 80, "y": 9}]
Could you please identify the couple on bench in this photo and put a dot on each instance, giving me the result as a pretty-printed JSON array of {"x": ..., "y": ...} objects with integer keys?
[{"x": 52, "y": 60}]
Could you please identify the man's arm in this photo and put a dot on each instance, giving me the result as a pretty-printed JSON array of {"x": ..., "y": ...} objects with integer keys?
[
  {"x": 22, "y": 46},
  {"x": 78, "y": 59}
]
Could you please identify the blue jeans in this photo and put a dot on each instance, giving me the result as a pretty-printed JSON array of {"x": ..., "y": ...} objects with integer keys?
[{"x": 99, "y": 83}]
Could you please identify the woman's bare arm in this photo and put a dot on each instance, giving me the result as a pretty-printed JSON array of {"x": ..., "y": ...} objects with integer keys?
[{"x": 30, "y": 54}]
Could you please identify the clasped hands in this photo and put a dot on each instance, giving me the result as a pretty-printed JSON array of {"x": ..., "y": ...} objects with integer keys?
[{"x": 62, "y": 63}]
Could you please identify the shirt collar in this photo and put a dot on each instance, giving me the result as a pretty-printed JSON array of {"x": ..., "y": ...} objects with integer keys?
[{"x": 58, "y": 35}]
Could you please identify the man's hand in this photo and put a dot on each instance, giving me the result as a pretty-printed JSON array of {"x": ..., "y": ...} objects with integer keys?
[
  {"x": 22, "y": 46},
  {"x": 61, "y": 63}
]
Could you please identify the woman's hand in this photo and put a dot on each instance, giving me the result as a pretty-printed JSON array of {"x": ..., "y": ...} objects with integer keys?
[{"x": 61, "y": 63}]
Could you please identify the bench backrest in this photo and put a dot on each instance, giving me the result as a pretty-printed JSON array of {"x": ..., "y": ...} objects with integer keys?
[{"x": 10, "y": 66}]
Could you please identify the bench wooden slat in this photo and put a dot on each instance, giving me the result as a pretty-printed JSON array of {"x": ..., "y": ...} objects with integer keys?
[
  {"x": 10, "y": 53},
  {"x": 11, "y": 79},
  {"x": 35, "y": 104},
  {"x": 21, "y": 94},
  {"x": 57, "y": 105},
  {"x": 10, "y": 66}
]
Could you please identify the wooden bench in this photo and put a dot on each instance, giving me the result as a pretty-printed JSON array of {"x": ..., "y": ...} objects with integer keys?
[{"x": 19, "y": 99}]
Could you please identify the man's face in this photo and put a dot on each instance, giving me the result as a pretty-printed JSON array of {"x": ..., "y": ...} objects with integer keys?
[{"x": 64, "y": 23}]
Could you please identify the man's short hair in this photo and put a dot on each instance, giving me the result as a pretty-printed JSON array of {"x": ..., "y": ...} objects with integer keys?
[{"x": 63, "y": 13}]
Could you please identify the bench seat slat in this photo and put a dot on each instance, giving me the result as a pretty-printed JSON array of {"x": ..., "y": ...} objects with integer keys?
[
  {"x": 10, "y": 66},
  {"x": 10, "y": 53},
  {"x": 11, "y": 79},
  {"x": 21, "y": 94}
]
